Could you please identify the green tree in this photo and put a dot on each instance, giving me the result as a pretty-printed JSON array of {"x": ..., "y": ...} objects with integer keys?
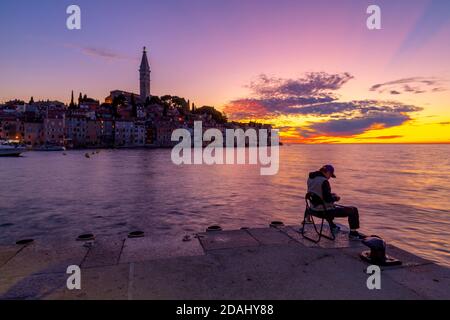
[
  {"x": 153, "y": 100},
  {"x": 216, "y": 115},
  {"x": 133, "y": 106}
]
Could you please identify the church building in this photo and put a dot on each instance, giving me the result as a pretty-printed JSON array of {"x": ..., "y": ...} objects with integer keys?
[{"x": 144, "y": 84}]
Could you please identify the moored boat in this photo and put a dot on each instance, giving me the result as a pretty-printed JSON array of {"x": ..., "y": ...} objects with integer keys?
[
  {"x": 8, "y": 149},
  {"x": 50, "y": 148}
]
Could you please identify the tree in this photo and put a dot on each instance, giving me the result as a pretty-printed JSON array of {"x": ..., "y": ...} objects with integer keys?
[
  {"x": 14, "y": 102},
  {"x": 133, "y": 106},
  {"x": 180, "y": 103},
  {"x": 117, "y": 101},
  {"x": 72, "y": 104},
  {"x": 32, "y": 100},
  {"x": 153, "y": 100},
  {"x": 216, "y": 115},
  {"x": 166, "y": 98}
]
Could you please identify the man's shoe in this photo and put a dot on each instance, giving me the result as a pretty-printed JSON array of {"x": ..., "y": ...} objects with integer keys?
[
  {"x": 335, "y": 228},
  {"x": 355, "y": 235}
]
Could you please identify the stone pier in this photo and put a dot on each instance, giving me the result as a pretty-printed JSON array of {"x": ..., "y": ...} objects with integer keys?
[{"x": 255, "y": 263}]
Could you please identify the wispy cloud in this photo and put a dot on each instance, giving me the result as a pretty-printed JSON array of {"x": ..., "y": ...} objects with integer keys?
[
  {"x": 313, "y": 84},
  {"x": 388, "y": 137},
  {"x": 414, "y": 85},
  {"x": 357, "y": 125},
  {"x": 99, "y": 52},
  {"x": 435, "y": 16}
]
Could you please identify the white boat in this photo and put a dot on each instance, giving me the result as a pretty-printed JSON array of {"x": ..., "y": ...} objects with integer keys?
[
  {"x": 10, "y": 150},
  {"x": 50, "y": 148}
]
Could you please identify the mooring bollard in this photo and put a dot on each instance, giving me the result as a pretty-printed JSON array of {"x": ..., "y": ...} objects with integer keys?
[
  {"x": 25, "y": 241},
  {"x": 86, "y": 237},
  {"x": 276, "y": 224},
  {"x": 377, "y": 254},
  {"x": 214, "y": 228},
  {"x": 136, "y": 234}
]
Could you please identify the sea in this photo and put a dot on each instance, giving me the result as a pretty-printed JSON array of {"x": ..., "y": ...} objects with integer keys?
[{"x": 402, "y": 193}]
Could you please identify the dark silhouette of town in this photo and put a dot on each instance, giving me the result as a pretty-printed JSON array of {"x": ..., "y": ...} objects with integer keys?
[{"x": 124, "y": 119}]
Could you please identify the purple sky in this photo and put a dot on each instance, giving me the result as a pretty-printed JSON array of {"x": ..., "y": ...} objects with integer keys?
[{"x": 211, "y": 50}]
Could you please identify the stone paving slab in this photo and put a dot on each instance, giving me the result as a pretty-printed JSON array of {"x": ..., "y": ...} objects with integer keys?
[
  {"x": 340, "y": 242},
  {"x": 39, "y": 258},
  {"x": 151, "y": 248},
  {"x": 265, "y": 272},
  {"x": 33, "y": 286},
  {"x": 175, "y": 278},
  {"x": 326, "y": 276},
  {"x": 431, "y": 281},
  {"x": 8, "y": 252},
  {"x": 216, "y": 240},
  {"x": 103, "y": 252},
  {"x": 266, "y": 236},
  {"x": 104, "y": 283}
]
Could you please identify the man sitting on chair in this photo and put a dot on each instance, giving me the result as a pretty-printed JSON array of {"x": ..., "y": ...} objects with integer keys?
[{"x": 319, "y": 185}]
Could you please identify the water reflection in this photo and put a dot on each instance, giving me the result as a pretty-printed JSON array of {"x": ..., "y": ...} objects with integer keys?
[{"x": 401, "y": 191}]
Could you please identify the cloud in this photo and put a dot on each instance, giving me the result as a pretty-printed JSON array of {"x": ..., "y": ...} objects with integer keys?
[
  {"x": 380, "y": 137},
  {"x": 313, "y": 84},
  {"x": 314, "y": 96},
  {"x": 269, "y": 108},
  {"x": 388, "y": 137},
  {"x": 274, "y": 96},
  {"x": 435, "y": 16},
  {"x": 358, "y": 125},
  {"x": 98, "y": 52},
  {"x": 414, "y": 85},
  {"x": 357, "y": 117}
]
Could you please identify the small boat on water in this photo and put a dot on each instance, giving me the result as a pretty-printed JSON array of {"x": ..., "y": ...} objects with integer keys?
[{"x": 9, "y": 149}]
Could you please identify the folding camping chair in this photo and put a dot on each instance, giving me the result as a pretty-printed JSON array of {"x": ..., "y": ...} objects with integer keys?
[{"x": 309, "y": 218}]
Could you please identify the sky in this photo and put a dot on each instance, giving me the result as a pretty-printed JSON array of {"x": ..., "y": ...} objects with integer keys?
[{"x": 311, "y": 68}]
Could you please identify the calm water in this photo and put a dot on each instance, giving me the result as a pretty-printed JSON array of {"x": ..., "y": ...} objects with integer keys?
[{"x": 402, "y": 192}]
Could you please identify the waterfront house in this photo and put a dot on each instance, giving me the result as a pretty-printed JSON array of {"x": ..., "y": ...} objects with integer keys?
[
  {"x": 124, "y": 133},
  {"x": 33, "y": 133},
  {"x": 54, "y": 129},
  {"x": 76, "y": 129}
]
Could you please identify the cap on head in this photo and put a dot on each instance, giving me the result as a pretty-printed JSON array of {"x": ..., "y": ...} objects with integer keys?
[{"x": 329, "y": 168}]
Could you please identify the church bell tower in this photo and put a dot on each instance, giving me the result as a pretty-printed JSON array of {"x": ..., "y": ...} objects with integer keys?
[{"x": 144, "y": 76}]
